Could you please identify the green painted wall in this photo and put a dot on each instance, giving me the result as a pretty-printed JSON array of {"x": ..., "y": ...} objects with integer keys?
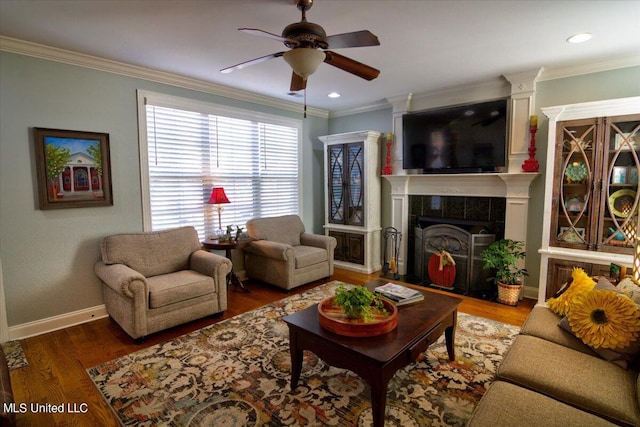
[{"x": 48, "y": 256}]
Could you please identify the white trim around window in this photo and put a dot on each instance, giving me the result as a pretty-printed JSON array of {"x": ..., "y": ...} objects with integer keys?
[{"x": 256, "y": 157}]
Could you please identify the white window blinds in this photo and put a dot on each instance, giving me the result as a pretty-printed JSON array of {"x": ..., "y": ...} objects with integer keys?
[{"x": 189, "y": 151}]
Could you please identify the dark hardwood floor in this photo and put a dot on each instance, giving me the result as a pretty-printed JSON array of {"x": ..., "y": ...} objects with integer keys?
[{"x": 58, "y": 360}]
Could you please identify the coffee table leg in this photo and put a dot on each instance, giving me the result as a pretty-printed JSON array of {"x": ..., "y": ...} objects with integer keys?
[
  {"x": 296, "y": 359},
  {"x": 450, "y": 337},
  {"x": 378, "y": 403}
]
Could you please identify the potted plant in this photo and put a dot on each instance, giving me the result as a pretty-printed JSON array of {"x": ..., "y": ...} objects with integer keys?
[
  {"x": 359, "y": 303},
  {"x": 501, "y": 257}
]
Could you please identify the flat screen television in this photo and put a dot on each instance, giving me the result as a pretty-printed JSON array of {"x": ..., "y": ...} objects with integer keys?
[{"x": 461, "y": 139}]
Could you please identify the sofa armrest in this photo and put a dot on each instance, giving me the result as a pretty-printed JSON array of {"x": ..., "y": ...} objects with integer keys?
[
  {"x": 318, "y": 240},
  {"x": 269, "y": 249},
  {"x": 121, "y": 278},
  {"x": 210, "y": 264}
]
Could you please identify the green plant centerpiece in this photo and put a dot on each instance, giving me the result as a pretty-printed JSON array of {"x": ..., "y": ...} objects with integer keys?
[
  {"x": 359, "y": 303},
  {"x": 502, "y": 257}
]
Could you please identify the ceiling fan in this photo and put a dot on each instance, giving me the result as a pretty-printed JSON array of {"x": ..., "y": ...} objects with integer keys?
[{"x": 308, "y": 44}]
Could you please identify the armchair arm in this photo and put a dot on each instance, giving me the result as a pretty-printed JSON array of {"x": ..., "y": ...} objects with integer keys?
[
  {"x": 269, "y": 249},
  {"x": 121, "y": 278},
  {"x": 210, "y": 264},
  {"x": 318, "y": 240}
]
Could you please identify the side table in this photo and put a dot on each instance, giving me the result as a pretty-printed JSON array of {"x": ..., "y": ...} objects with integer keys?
[{"x": 228, "y": 246}]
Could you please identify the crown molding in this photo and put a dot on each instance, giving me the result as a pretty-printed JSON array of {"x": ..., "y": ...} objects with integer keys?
[
  {"x": 21, "y": 47},
  {"x": 459, "y": 94},
  {"x": 381, "y": 105},
  {"x": 589, "y": 68}
]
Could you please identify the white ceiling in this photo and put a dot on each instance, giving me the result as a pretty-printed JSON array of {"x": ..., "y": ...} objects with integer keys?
[{"x": 426, "y": 45}]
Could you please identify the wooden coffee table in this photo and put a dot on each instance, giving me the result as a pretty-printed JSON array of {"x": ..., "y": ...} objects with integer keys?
[{"x": 375, "y": 359}]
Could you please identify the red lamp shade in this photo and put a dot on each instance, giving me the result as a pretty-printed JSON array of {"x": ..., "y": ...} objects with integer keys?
[{"x": 218, "y": 196}]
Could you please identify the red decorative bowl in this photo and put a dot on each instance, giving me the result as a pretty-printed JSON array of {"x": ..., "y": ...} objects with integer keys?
[{"x": 333, "y": 319}]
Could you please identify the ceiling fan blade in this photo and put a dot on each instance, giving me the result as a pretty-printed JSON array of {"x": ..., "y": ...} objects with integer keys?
[
  {"x": 251, "y": 62},
  {"x": 297, "y": 82},
  {"x": 351, "y": 66},
  {"x": 354, "y": 39},
  {"x": 257, "y": 32}
]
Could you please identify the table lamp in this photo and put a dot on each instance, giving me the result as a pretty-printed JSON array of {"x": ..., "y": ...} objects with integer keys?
[{"x": 218, "y": 198}]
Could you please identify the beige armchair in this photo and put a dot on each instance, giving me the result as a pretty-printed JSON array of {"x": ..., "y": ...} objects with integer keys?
[
  {"x": 285, "y": 255},
  {"x": 156, "y": 280}
]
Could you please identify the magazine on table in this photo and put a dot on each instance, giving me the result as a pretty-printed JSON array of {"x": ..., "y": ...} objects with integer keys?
[{"x": 399, "y": 294}]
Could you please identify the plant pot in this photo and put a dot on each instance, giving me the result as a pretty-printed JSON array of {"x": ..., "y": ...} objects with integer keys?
[
  {"x": 509, "y": 294},
  {"x": 331, "y": 318}
]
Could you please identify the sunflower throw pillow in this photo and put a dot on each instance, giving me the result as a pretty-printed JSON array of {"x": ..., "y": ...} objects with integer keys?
[
  {"x": 579, "y": 284},
  {"x": 607, "y": 321}
]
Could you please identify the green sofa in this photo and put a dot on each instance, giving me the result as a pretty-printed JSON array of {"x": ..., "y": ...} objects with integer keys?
[{"x": 549, "y": 377}]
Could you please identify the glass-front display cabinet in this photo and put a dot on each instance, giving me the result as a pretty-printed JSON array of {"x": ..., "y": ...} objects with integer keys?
[
  {"x": 352, "y": 198},
  {"x": 596, "y": 191}
]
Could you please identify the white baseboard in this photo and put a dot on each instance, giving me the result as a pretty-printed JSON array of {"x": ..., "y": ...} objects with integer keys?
[{"x": 55, "y": 323}]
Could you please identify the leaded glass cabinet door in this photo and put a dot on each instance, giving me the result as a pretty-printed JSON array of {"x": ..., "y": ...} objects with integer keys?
[
  {"x": 575, "y": 168},
  {"x": 619, "y": 195},
  {"x": 346, "y": 184},
  {"x": 337, "y": 187},
  {"x": 355, "y": 184}
]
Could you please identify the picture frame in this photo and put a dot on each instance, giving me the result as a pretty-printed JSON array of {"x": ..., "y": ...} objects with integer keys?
[
  {"x": 635, "y": 144},
  {"x": 73, "y": 168}
]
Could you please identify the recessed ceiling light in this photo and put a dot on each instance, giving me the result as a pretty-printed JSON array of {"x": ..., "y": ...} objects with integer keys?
[
  {"x": 334, "y": 95},
  {"x": 579, "y": 38}
]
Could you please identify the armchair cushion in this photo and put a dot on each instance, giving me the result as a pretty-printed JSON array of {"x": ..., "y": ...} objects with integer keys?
[
  {"x": 176, "y": 287},
  {"x": 308, "y": 255}
]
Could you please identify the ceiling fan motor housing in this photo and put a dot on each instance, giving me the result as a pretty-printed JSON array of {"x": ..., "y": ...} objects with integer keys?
[{"x": 306, "y": 34}]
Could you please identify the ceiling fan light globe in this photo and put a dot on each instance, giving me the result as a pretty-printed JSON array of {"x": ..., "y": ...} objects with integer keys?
[{"x": 304, "y": 61}]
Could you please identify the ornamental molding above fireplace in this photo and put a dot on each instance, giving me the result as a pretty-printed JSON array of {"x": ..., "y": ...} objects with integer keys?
[{"x": 472, "y": 184}]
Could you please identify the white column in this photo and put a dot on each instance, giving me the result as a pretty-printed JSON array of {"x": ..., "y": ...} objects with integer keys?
[
  {"x": 522, "y": 107},
  {"x": 401, "y": 105},
  {"x": 400, "y": 216}
]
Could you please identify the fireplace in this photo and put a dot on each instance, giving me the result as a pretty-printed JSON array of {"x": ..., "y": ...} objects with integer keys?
[
  {"x": 455, "y": 197},
  {"x": 465, "y": 225},
  {"x": 465, "y": 248}
]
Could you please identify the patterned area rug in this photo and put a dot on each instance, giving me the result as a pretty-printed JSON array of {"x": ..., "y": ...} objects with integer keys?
[
  {"x": 237, "y": 372},
  {"x": 14, "y": 354}
]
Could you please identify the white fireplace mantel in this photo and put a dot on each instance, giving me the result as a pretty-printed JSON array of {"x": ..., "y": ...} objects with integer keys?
[
  {"x": 467, "y": 184},
  {"x": 514, "y": 187}
]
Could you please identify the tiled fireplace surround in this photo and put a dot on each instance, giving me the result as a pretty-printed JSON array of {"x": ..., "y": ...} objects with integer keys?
[{"x": 512, "y": 185}]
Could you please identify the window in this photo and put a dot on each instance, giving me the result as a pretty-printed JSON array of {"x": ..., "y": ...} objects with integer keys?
[{"x": 187, "y": 147}]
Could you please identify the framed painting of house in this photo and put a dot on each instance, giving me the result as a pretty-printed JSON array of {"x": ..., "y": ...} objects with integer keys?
[{"x": 73, "y": 169}]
